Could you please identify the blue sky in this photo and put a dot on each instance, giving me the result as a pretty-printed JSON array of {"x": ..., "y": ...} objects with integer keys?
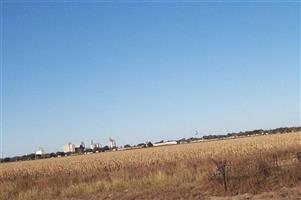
[{"x": 146, "y": 71}]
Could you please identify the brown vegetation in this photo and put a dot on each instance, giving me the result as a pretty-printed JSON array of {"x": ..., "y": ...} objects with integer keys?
[{"x": 224, "y": 167}]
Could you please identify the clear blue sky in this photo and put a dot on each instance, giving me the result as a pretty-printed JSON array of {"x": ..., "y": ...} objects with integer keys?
[{"x": 146, "y": 71}]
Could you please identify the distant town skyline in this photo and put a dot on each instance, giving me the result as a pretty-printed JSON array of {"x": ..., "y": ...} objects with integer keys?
[
  {"x": 139, "y": 72},
  {"x": 81, "y": 148}
]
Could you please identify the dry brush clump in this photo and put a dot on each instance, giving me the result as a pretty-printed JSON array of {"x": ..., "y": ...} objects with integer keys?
[{"x": 251, "y": 164}]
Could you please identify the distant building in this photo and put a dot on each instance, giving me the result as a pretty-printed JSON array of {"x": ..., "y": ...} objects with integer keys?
[
  {"x": 82, "y": 144},
  {"x": 165, "y": 143},
  {"x": 94, "y": 145},
  {"x": 40, "y": 151},
  {"x": 112, "y": 143},
  {"x": 69, "y": 148}
]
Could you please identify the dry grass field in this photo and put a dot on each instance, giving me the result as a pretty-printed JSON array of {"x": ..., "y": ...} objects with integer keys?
[{"x": 189, "y": 171}]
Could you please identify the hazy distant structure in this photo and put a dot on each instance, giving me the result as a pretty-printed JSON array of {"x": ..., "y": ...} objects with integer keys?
[
  {"x": 165, "y": 143},
  {"x": 40, "y": 151},
  {"x": 196, "y": 133},
  {"x": 69, "y": 148},
  {"x": 94, "y": 145},
  {"x": 112, "y": 143},
  {"x": 82, "y": 144}
]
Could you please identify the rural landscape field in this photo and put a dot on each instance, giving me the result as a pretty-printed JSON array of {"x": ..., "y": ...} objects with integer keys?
[
  {"x": 152, "y": 99},
  {"x": 239, "y": 168}
]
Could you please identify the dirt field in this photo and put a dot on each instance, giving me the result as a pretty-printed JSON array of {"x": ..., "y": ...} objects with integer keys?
[{"x": 261, "y": 167}]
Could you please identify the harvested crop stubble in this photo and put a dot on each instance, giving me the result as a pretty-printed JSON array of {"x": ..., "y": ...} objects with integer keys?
[{"x": 271, "y": 158}]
